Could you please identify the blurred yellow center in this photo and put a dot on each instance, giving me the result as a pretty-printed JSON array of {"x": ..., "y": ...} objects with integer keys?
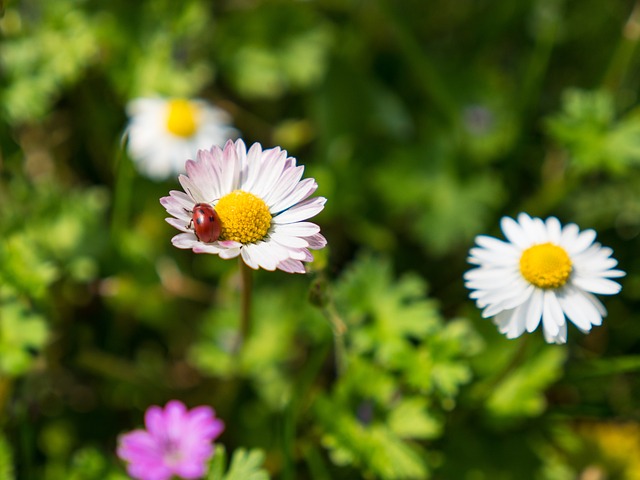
[
  {"x": 182, "y": 118},
  {"x": 245, "y": 218},
  {"x": 545, "y": 265}
]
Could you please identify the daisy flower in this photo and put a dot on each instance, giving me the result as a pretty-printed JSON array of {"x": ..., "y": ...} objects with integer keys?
[
  {"x": 163, "y": 132},
  {"x": 176, "y": 442},
  {"x": 260, "y": 202},
  {"x": 544, "y": 272}
]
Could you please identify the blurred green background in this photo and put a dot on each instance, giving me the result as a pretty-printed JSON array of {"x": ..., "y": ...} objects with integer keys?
[{"x": 423, "y": 123}]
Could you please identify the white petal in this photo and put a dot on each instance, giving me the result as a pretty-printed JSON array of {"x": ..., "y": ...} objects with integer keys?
[
  {"x": 554, "y": 230},
  {"x": 514, "y": 233},
  {"x": 559, "y": 338},
  {"x": 291, "y": 266},
  {"x": 271, "y": 169},
  {"x": 584, "y": 240},
  {"x": 303, "y": 190},
  {"x": 184, "y": 240},
  {"x": 598, "y": 305},
  {"x": 179, "y": 224},
  {"x": 301, "y": 211},
  {"x": 248, "y": 259},
  {"x": 569, "y": 235},
  {"x": 207, "y": 248},
  {"x": 496, "y": 245},
  {"x": 300, "y": 229},
  {"x": 480, "y": 256},
  {"x": 503, "y": 321},
  {"x": 228, "y": 253},
  {"x": 504, "y": 299},
  {"x": 602, "y": 286},
  {"x": 288, "y": 240},
  {"x": 517, "y": 298},
  {"x": 516, "y": 325},
  {"x": 552, "y": 315},
  {"x": 572, "y": 303},
  {"x": 492, "y": 279},
  {"x": 287, "y": 182},
  {"x": 316, "y": 241},
  {"x": 260, "y": 255},
  {"x": 534, "y": 310},
  {"x": 192, "y": 190}
]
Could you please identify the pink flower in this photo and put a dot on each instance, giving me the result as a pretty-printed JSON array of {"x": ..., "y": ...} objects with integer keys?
[{"x": 177, "y": 442}]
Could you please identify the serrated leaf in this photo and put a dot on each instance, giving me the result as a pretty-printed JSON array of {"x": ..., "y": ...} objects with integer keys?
[
  {"x": 594, "y": 138},
  {"x": 373, "y": 447},
  {"x": 218, "y": 463},
  {"x": 395, "y": 311},
  {"x": 22, "y": 334},
  {"x": 411, "y": 419},
  {"x": 521, "y": 394},
  {"x": 247, "y": 465}
]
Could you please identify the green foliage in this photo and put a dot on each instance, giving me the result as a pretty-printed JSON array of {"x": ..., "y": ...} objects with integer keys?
[
  {"x": 401, "y": 356},
  {"x": 521, "y": 393},
  {"x": 274, "y": 48},
  {"x": 423, "y": 123},
  {"x": 44, "y": 58},
  {"x": 36, "y": 257},
  {"x": 23, "y": 333},
  {"x": 596, "y": 140},
  {"x": 245, "y": 465},
  {"x": 365, "y": 424},
  {"x": 6, "y": 463},
  {"x": 395, "y": 324}
]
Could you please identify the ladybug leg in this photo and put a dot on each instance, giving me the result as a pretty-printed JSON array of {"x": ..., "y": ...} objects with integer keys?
[{"x": 190, "y": 226}]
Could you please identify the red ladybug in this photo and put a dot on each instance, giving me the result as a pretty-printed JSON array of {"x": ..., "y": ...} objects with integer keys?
[{"x": 206, "y": 223}]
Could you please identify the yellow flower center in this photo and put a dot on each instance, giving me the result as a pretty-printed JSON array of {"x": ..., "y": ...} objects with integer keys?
[
  {"x": 182, "y": 117},
  {"x": 545, "y": 265},
  {"x": 245, "y": 218}
]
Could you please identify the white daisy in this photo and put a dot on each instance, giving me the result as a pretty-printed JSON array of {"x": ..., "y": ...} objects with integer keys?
[
  {"x": 261, "y": 203},
  {"x": 162, "y": 133},
  {"x": 544, "y": 272}
]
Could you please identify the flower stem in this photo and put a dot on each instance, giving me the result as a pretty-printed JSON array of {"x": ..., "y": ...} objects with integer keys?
[
  {"x": 339, "y": 328},
  {"x": 246, "y": 287},
  {"x": 623, "y": 54},
  {"x": 512, "y": 365},
  {"x": 122, "y": 194}
]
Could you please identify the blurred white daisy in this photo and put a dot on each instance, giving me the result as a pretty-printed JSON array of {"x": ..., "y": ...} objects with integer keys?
[
  {"x": 544, "y": 272},
  {"x": 260, "y": 201},
  {"x": 162, "y": 133}
]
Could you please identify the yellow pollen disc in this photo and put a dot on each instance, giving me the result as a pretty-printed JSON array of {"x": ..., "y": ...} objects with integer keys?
[
  {"x": 245, "y": 218},
  {"x": 182, "y": 118},
  {"x": 545, "y": 265}
]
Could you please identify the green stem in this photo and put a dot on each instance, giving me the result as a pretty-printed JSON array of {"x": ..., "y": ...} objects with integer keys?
[
  {"x": 514, "y": 362},
  {"x": 619, "y": 65},
  {"x": 122, "y": 194},
  {"x": 246, "y": 287},
  {"x": 538, "y": 64},
  {"x": 434, "y": 85},
  {"x": 339, "y": 328}
]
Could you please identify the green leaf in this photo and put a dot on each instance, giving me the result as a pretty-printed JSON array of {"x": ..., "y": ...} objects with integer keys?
[
  {"x": 22, "y": 334},
  {"x": 371, "y": 446},
  {"x": 521, "y": 394},
  {"x": 6, "y": 460},
  {"x": 410, "y": 419},
  {"x": 245, "y": 465},
  {"x": 271, "y": 49},
  {"x": 52, "y": 54},
  {"x": 592, "y": 135}
]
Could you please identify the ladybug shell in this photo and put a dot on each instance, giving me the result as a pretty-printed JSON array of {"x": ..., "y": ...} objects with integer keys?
[{"x": 206, "y": 223}]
